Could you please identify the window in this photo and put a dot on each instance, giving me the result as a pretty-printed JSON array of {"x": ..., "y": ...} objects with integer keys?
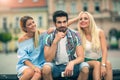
[
  {"x": 97, "y": 7},
  {"x": 60, "y": 5},
  {"x": 73, "y": 7},
  {"x": 35, "y": 0},
  {"x": 40, "y": 21},
  {"x": 17, "y": 22},
  {"x": 116, "y": 6},
  {"x": 5, "y": 24},
  {"x": 20, "y": 1},
  {"x": 85, "y": 6},
  {"x": 16, "y": 26}
]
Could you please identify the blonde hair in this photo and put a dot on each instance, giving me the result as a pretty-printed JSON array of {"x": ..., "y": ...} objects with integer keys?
[
  {"x": 36, "y": 38},
  {"x": 94, "y": 33}
]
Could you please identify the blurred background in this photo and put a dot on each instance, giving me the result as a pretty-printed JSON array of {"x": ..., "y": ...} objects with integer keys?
[{"x": 105, "y": 12}]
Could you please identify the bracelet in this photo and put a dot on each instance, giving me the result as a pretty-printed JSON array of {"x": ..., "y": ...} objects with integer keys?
[{"x": 104, "y": 65}]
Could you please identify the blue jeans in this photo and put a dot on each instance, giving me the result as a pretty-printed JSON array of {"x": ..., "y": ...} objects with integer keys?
[{"x": 57, "y": 69}]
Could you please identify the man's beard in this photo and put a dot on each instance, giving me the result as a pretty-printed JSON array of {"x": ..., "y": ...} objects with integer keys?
[{"x": 61, "y": 29}]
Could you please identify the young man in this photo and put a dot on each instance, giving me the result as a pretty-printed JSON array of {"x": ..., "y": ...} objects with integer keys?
[{"x": 63, "y": 51}]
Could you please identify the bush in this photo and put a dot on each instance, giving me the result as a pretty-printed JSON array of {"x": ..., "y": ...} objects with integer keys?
[{"x": 5, "y": 37}]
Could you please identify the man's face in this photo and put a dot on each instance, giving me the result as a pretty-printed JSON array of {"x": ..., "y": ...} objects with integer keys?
[{"x": 61, "y": 24}]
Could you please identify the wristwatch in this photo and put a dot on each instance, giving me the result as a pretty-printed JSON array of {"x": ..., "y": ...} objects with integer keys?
[{"x": 104, "y": 65}]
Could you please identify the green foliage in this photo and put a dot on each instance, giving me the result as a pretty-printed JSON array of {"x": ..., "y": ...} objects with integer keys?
[
  {"x": 118, "y": 34},
  {"x": 5, "y": 37},
  {"x": 16, "y": 38}
]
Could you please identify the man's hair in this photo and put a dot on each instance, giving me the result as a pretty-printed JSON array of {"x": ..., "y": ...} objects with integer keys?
[{"x": 59, "y": 13}]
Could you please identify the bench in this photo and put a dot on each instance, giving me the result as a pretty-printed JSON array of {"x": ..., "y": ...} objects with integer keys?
[{"x": 116, "y": 76}]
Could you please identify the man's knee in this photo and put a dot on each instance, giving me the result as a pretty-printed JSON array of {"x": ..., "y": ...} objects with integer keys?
[
  {"x": 85, "y": 70},
  {"x": 46, "y": 69},
  {"x": 84, "y": 66}
]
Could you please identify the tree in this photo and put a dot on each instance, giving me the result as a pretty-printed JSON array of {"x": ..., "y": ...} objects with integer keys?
[
  {"x": 118, "y": 35},
  {"x": 5, "y": 37},
  {"x": 113, "y": 37}
]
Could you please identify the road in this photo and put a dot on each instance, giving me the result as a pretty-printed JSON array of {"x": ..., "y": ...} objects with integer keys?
[{"x": 8, "y": 61}]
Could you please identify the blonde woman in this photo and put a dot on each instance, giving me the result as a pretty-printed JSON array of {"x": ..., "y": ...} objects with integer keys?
[
  {"x": 95, "y": 46},
  {"x": 30, "y": 50}
]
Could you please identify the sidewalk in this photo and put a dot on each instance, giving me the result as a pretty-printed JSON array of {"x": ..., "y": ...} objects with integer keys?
[
  {"x": 8, "y": 61},
  {"x": 114, "y": 58}
]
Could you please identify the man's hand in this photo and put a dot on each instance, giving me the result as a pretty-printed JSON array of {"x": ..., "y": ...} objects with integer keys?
[
  {"x": 59, "y": 36},
  {"x": 69, "y": 69}
]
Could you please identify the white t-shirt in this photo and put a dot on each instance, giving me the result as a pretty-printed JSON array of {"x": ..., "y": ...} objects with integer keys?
[
  {"x": 89, "y": 53},
  {"x": 61, "y": 55}
]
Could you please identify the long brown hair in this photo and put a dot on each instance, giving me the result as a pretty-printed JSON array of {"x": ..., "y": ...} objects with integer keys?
[{"x": 23, "y": 21}]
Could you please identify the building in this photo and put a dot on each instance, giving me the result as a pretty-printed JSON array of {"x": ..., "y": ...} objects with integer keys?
[
  {"x": 12, "y": 10},
  {"x": 105, "y": 12}
]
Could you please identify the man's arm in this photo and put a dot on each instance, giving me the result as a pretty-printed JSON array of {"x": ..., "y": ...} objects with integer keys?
[
  {"x": 80, "y": 55},
  {"x": 50, "y": 51},
  {"x": 79, "y": 59},
  {"x": 79, "y": 49}
]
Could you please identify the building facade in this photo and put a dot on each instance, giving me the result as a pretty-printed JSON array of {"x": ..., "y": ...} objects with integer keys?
[
  {"x": 12, "y": 10},
  {"x": 105, "y": 12}
]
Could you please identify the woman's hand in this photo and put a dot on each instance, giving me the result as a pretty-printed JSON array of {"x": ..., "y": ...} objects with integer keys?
[
  {"x": 103, "y": 71},
  {"x": 36, "y": 69},
  {"x": 50, "y": 30}
]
